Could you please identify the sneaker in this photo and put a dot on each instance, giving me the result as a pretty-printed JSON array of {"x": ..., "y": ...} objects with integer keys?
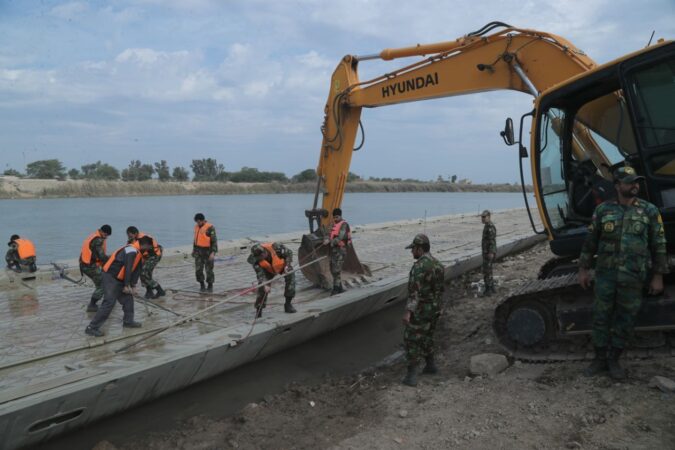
[
  {"x": 132, "y": 324},
  {"x": 93, "y": 332}
]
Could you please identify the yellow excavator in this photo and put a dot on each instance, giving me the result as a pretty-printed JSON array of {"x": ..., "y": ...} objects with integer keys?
[{"x": 587, "y": 121}]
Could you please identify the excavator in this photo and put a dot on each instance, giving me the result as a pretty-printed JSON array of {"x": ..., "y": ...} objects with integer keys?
[{"x": 587, "y": 120}]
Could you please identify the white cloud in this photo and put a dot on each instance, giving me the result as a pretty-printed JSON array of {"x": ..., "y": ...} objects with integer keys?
[{"x": 69, "y": 11}]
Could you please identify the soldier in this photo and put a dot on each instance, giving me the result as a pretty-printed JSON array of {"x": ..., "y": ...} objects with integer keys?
[
  {"x": 150, "y": 261},
  {"x": 21, "y": 253},
  {"x": 120, "y": 275},
  {"x": 628, "y": 237},
  {"x": 268, "y": 260},
  {"x": 425, "y": 291},
  {"x": 92, "y": 257},
  {"x": 204, "y": 251},
  {"x": 489, "y": 244},
  {"x": 340, "y": 237}
]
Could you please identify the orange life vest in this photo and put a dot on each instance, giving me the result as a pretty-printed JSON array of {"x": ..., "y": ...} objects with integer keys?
[
  {"x": 201, "y": 238},
  {"x": 278, "y": 265},
  {"x": 155, "y": 245},
  {"x": 86, "y": 254},
  {"x": 122, "y": 272},
  {"x": 25, "y": 248},
  {"x": 335, "y": 232}
]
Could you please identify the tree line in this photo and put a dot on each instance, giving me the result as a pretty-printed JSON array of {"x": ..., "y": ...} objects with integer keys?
[{"x": 206, "y": 169}]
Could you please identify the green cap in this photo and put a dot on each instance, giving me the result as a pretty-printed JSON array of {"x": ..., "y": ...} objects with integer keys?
[
  {"x": 420, "y": 239},
  {"x": 626, "y": 174}
]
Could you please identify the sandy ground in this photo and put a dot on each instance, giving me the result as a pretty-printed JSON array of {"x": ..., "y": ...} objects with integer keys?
[{"x": 536, "y": 406}]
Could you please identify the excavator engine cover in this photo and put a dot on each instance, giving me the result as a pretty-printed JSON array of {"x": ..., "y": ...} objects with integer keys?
[{"x": 312, "y": 247}]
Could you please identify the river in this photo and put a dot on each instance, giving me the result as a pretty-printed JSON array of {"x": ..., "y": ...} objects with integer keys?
[{"x": 58, "y": 226}]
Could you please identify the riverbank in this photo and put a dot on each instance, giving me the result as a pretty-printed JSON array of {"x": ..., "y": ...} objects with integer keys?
[{"x": 23, "y": 188}]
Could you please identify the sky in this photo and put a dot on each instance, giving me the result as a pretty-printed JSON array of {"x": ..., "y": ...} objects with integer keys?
[{"x": 246, "y": 82}]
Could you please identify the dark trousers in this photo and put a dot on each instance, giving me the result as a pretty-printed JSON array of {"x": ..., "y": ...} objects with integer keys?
[{"x": 112, "y": 291}]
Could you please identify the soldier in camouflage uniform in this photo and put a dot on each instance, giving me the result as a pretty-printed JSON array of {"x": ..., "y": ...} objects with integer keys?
[
  {"x": 21, "y": 254},
  {"x": 150, "y": 260},
  {"x": 204, "y": 251},
  {"x": 339, "y": 238},
  {"x": 628, "y": 238},
  {"x": 489, "y": 245},
  {"x": 425, "y": 292},
  {"x": 92, "y": 257},
  {"x": 269, "y": 260}
]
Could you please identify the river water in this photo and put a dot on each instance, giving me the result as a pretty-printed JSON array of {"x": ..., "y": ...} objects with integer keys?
[{"x": 58, "y": 226}]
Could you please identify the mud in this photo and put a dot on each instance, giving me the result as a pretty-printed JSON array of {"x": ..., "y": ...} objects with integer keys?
[{"x": 537, "y": 406}]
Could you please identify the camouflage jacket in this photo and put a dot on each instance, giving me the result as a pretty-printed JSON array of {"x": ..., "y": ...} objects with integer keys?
[
  {"x": 97, "y": 252},
  {"x": 282, "y": 252},
  {"x": 425, "y": 282},
  {"x": 214, "y": 241},
  {"x": 489, "y": 242},
  {"x": 629, "y": 239}
]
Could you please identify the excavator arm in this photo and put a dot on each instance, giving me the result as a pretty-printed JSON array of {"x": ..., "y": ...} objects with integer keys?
[{"x": 515, "y": 59}]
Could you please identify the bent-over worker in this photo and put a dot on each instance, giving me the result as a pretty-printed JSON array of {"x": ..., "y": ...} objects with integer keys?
[
  {"x": 150, "y": 260},
  {"x": 21, "y": 254},
  {"x": 269, "y": 260}
]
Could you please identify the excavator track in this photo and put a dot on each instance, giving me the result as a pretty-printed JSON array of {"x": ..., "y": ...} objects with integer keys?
[{"x": 548, "y": 320}]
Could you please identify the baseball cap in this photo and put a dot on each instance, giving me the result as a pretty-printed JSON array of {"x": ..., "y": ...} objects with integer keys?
[
  {"x": 627, "y": 174},
  {"x": 485, "y": 213},
  {"x": 420, "y": 239}
]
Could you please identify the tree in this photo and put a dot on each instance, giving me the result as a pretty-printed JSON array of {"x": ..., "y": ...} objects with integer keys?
[
  {"x": 353, "y": 177},
  {"x": 12, "y": 173},
  {"x": 180, "y": 174},
  {"x": 453, "y": 179},
  {"x": 100, "y": 171},
  {"x": 253, "y": 175},
  {"x": 137, "y": 171},
  {"x": 207, "y": 170},
  {"x": 305, "y": 176},
  {"x": 74, "y": 174},
  {"x": 46, "y": 169},
  {"x": 162, "y": 171}
]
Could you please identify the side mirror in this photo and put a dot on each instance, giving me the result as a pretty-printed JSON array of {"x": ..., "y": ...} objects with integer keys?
[{"x": 507, "y": 134}]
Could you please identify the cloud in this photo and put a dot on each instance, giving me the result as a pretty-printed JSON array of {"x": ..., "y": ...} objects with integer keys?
[{"x": 69, "y": 11}]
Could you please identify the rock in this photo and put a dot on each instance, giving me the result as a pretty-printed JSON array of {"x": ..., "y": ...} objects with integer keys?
[
  {"x": 488, "y": 364},
  {"x": 251, "y": 406},
  {"x": 573, "y": 445},
  {"x": 311, "y": 403},
  {"x": 403, "y": 413},
  {"x": 398, "y": 441},
  {"x": 467, "y": 379},
  {"x": 607, "y": 397},
  {"x": 663, "y": 383},
  {"x": 104, "y": 445}
]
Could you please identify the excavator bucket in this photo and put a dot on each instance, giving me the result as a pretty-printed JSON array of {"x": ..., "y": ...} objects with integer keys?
[{"x": 312, "y": 247}]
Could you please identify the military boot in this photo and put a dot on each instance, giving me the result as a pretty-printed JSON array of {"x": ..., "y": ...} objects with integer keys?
[
  {"x": 92, "y": 306},
  {"x": 288, "y": 307},
  {"x": 148, "y": 293},
  {"x": 202, "y": 286},
  {"x": 337, "y": 290},
  {"x": 599, "y": 364},
  {"x": 616, "y": 372},
  {"x": 430, "y": 367},
  {"x": 411, "y": 377},
  {"x": 210, "y": 288},
  {"x": 159, "y": 291}
]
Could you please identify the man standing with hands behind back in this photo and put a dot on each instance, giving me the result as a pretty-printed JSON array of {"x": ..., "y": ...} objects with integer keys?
[{"x": 204, "y": 251}]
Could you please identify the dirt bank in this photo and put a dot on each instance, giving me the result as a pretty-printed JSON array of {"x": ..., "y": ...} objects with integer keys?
[
  {"x": 13, "y": 187},
  {"x": 527, "y": 406}
]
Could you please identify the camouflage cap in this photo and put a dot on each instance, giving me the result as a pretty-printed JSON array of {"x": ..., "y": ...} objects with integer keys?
[
  {"x": 420, "y": 239},
  {"x": 627, "y": 174},
  {"x": 485, "y": 213},
  {"x": 257, "y": 250}
]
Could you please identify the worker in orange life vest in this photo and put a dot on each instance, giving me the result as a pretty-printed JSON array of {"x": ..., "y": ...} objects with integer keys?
[
  {"x": 339, "y": 238},
  {"x": 120, "y": 275},
  {"x": 205, "y": 247},
  {"x": 92, "y": 257},
  {"x": 150, "y": 261},
  {"x": 269, "y": 260},
  {"x": 21, "y": 254}
]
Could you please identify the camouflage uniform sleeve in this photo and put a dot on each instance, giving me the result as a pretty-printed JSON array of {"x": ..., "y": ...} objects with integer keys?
[
  {"x": 657, "y": 242},
  {"x": 492, "y": 239},
  {"x": 591, "y": 243},
  {"x": 214, "y": 240},
  {"x": 284, "y": 252},
  {"x": 9, "y": 256},
  {"x": 414, "y": 286},
  {"x": 96, "y": 247},
  {"x": 259, "y": 273}
]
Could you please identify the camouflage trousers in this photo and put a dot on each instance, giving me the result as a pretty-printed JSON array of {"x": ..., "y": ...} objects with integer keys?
[
  {"x": 337, "y": 259},
  {"x": 13, "y": 260},
  {"x": 202, "y": 264},
  {"x": 95, "y": 275},
  {"x": 618, "y": 298},
  {"x": 487, "y": 274},
  {"x": 418, "y": 335},
  {"x": 146, "y": 271},
  {"x": 289, "y": 290}
]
